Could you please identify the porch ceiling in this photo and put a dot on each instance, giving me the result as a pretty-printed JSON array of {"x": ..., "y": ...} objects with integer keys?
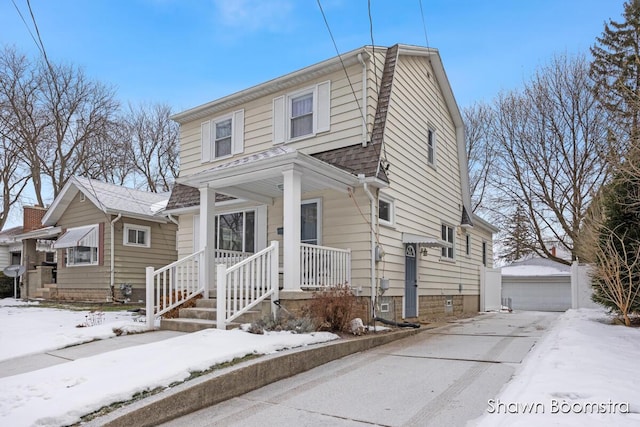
[{"x": 259, "y": 177}]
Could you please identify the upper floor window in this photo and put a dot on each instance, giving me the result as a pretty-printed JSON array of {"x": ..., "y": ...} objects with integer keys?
[
  {"x": 223, "y": 136},
  {"x": 431, "y": 147},
  {"x": 222, "y": 140},
  {"x": 448, "y": 235},
  {"x": 301, "y": 114},
  {"x": 136, "y": 235}
]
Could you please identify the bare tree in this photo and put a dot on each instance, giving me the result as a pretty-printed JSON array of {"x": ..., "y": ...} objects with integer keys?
[
  {"x": 553, "y": 140},
  {"x": 23, "y": 122},
  {"x": 81, "y": 112},
  {"x": 153, "y": 144},
  {"x": 481, "y": 154},
  {"x": 109, "y": 158},
  {"x": 13, "y": 179}
]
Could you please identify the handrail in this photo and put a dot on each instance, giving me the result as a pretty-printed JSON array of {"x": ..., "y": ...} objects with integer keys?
[{"x": 246, "y": 284}]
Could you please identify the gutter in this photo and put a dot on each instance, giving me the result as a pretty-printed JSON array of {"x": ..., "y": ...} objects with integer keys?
[{"x": 113, "y": 247}]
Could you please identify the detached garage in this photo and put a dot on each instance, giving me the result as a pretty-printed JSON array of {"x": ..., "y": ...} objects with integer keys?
[{"x": 537, "y": 284}]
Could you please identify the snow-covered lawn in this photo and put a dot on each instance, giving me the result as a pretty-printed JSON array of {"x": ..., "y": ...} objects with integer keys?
[
  {"x": 583, "y": 372},
  {"x": 61, "y": 394}
]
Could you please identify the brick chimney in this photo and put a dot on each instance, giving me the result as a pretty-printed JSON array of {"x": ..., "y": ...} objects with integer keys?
[
  {"x": 553, "y": 251},
  {"x": 32, "y": 218}
]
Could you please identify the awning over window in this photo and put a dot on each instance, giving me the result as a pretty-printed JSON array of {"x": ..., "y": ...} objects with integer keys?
[
  {"x": 425, "y": 241},
  {"x": 80, "y": 236}
]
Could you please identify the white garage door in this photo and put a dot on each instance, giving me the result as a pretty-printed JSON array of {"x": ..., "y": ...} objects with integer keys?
[{"x": 541, "y": 293}]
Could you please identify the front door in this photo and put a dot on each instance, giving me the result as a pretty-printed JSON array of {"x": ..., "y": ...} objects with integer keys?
[{"x": 410, "y": 282}]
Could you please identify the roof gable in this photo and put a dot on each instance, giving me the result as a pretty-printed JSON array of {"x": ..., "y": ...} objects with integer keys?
[{"x": 108, "y": 198}]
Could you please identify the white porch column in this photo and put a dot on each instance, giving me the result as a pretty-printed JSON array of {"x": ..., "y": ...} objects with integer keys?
[
  {"x": 291, "y": 240},
  {"x": 207, "y": 236}
]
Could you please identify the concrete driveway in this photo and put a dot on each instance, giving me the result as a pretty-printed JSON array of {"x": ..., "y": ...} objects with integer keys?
[{"x": 440, "y": 377}]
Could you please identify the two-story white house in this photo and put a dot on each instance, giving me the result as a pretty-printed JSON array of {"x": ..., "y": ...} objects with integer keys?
[{"x": 352, "y": 170}]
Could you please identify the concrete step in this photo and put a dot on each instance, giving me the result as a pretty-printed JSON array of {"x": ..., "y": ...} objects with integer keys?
[
  {"x": 190, "y": 325},
  {"x": 210, "y": 314}
]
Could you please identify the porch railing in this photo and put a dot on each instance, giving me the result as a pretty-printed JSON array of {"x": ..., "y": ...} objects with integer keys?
[
  {"x": 244, "y": 285},
  {"x": 172, "y": 285},
  {"x": 322, "y": 267},
  {"x": 228, "y": 257}
]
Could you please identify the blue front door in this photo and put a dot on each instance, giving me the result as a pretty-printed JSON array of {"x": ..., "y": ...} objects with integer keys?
[{"x": 410, "y": 282}]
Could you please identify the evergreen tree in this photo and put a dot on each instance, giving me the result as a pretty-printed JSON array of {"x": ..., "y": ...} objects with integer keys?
[
  {"x": 615, "y": 69},
  {"x": 519, "y": 241}
]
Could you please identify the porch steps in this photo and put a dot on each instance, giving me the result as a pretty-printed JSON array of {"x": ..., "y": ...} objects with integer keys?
[{"x": 203, "y": 316}]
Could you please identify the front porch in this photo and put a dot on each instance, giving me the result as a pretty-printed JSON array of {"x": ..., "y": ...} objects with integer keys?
[
  {"x": 272, "y": 183},
  {"x": 242, "y": 281}
]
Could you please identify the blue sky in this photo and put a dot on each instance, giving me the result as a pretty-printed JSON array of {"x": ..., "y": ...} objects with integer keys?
[{"x": 189, "y": 52}]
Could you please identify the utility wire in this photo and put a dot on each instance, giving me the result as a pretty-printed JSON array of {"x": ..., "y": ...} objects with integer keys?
[
  {"x": 424, "y": 25},
  {"x": 27, "y": 26},
  {"x": 341, "y": 61}
]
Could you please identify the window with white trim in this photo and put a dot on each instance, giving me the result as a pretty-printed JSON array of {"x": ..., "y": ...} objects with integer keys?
[
  {"x": 448, "y": 236},
  {"x": 82, "y": 255},
  {"x": 467, "y": 244},
  {"x": 302, "y": 114},
  {"x": 484, "y": 253},
  {"x": 386, "y": 210},
  {"x": 310, "y": 224},
  {"x": 431, "y": 147},
  {"x": 222, "y": 137},
  {"x": 136, "y": 235},
  {"x": 234, "y": 231}
]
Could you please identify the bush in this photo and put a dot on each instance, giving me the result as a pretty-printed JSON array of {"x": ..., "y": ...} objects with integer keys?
[
  {"x": 284, "y": 321},
  {"x": 332, "y": 309},
  {"x": 6, "y": 286}
]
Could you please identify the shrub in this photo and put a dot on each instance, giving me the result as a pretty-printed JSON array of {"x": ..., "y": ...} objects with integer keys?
[
  {"x": 284, "y": 321},
  {"x": 332, "y": 309}
]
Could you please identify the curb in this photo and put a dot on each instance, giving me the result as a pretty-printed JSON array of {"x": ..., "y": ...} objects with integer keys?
[{"x": 234, "y": 381}]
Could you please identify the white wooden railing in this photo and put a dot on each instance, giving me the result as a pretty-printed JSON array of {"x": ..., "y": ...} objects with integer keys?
[
  {"x": 244, "y": 285},
  {"x": 322, "y": 267},
  {"x": 229, "y": 258},
  {"x": 172, "y": 285}
]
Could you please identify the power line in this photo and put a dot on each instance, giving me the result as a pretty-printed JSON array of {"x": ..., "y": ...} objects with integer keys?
[
  {"x": 424, "y": 25},
  {"x": 342, "y": 62},
  {"x": 27, "y": 26}
]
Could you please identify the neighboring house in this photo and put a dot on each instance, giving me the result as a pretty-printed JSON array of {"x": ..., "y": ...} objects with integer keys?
[
  {"x": 364, "y": 184},
  {"x": 10, "y": 249},
  {"x": 106, "y": 235}
]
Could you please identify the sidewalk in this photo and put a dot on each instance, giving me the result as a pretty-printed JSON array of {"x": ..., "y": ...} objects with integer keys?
[{"x": 33, "y": 362}]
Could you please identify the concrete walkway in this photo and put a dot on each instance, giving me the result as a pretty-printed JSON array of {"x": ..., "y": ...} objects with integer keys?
[
  {"x": 33, "y": 362},
  {"x": 438, "y": 377}
]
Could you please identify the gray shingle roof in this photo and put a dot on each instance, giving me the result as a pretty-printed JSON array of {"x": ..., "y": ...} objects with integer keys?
[{"x": 183, "y": 196}]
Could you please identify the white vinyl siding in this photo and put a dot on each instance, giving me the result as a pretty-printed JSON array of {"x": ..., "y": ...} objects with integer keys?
[{"x": 222, "y": 137}]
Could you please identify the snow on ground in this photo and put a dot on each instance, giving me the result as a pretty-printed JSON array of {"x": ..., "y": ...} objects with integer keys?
[
  {"x": 32, "y": 329},
  {"x": 61, "y": 394},
  {"x": 583, "y": 372}
]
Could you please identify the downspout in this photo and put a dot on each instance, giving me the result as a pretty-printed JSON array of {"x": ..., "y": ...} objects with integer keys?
[
  {"x": 364, "y": 99},
  {"x": 372, "y": 199},
  {"x": 113, "y": 248},
  {"x": 172, "y": 219}
]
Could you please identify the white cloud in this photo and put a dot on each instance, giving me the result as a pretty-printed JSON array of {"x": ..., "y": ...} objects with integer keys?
[{"x": 255, "y": 15}]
